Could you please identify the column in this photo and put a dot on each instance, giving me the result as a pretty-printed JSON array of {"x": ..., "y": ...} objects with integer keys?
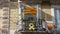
[{"x": 5, "y": 17}]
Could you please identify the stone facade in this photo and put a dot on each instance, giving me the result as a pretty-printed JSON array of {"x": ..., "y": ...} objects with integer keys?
[
  {"x": 13, "y": 16},
  {"x": 14, "y": 13}
]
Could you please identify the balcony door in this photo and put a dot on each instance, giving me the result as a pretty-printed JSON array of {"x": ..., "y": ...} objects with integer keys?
[{"x": 57, "y": 18}]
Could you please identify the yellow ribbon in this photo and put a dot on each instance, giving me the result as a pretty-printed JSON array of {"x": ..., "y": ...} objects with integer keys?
[{"x": 31, "y": 26}]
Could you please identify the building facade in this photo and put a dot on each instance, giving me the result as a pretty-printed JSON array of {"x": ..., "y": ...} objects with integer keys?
[
  {"x": 8, "y": 16},
  {"x": 50, "y": 11}
]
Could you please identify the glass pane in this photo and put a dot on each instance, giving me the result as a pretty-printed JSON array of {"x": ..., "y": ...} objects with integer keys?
[{"x": 57, "y": 17}]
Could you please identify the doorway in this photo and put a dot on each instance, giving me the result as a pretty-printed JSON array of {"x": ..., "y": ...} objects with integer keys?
[{"x": 57, "y": 20}]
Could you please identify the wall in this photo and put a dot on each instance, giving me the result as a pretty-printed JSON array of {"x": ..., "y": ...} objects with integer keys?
[
  {"x": 1, "y": 21},
  {"x": 46, "y": 13},
  {"x": 14, "y": 19}
]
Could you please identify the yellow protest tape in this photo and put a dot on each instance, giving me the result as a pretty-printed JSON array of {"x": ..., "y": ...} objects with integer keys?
[{"x": 31, "y": 26}]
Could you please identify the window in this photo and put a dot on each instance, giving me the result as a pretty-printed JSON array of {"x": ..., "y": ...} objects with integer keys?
[
  {"x": 5, "y": 26},
  {"x": 57, "y": 18},
  {"x": 5, "y": 22},
  {"x": 4, "y": 31}
]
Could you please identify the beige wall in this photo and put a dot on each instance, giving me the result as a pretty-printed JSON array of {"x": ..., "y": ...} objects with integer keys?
[
  {"x": 1, "y": 21},
  {"x": 13, "y": 18},
  {"x": 1, "y": 18},
  {"x": 46, "y": 12},
  {"x": 14, "y": 15}
]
